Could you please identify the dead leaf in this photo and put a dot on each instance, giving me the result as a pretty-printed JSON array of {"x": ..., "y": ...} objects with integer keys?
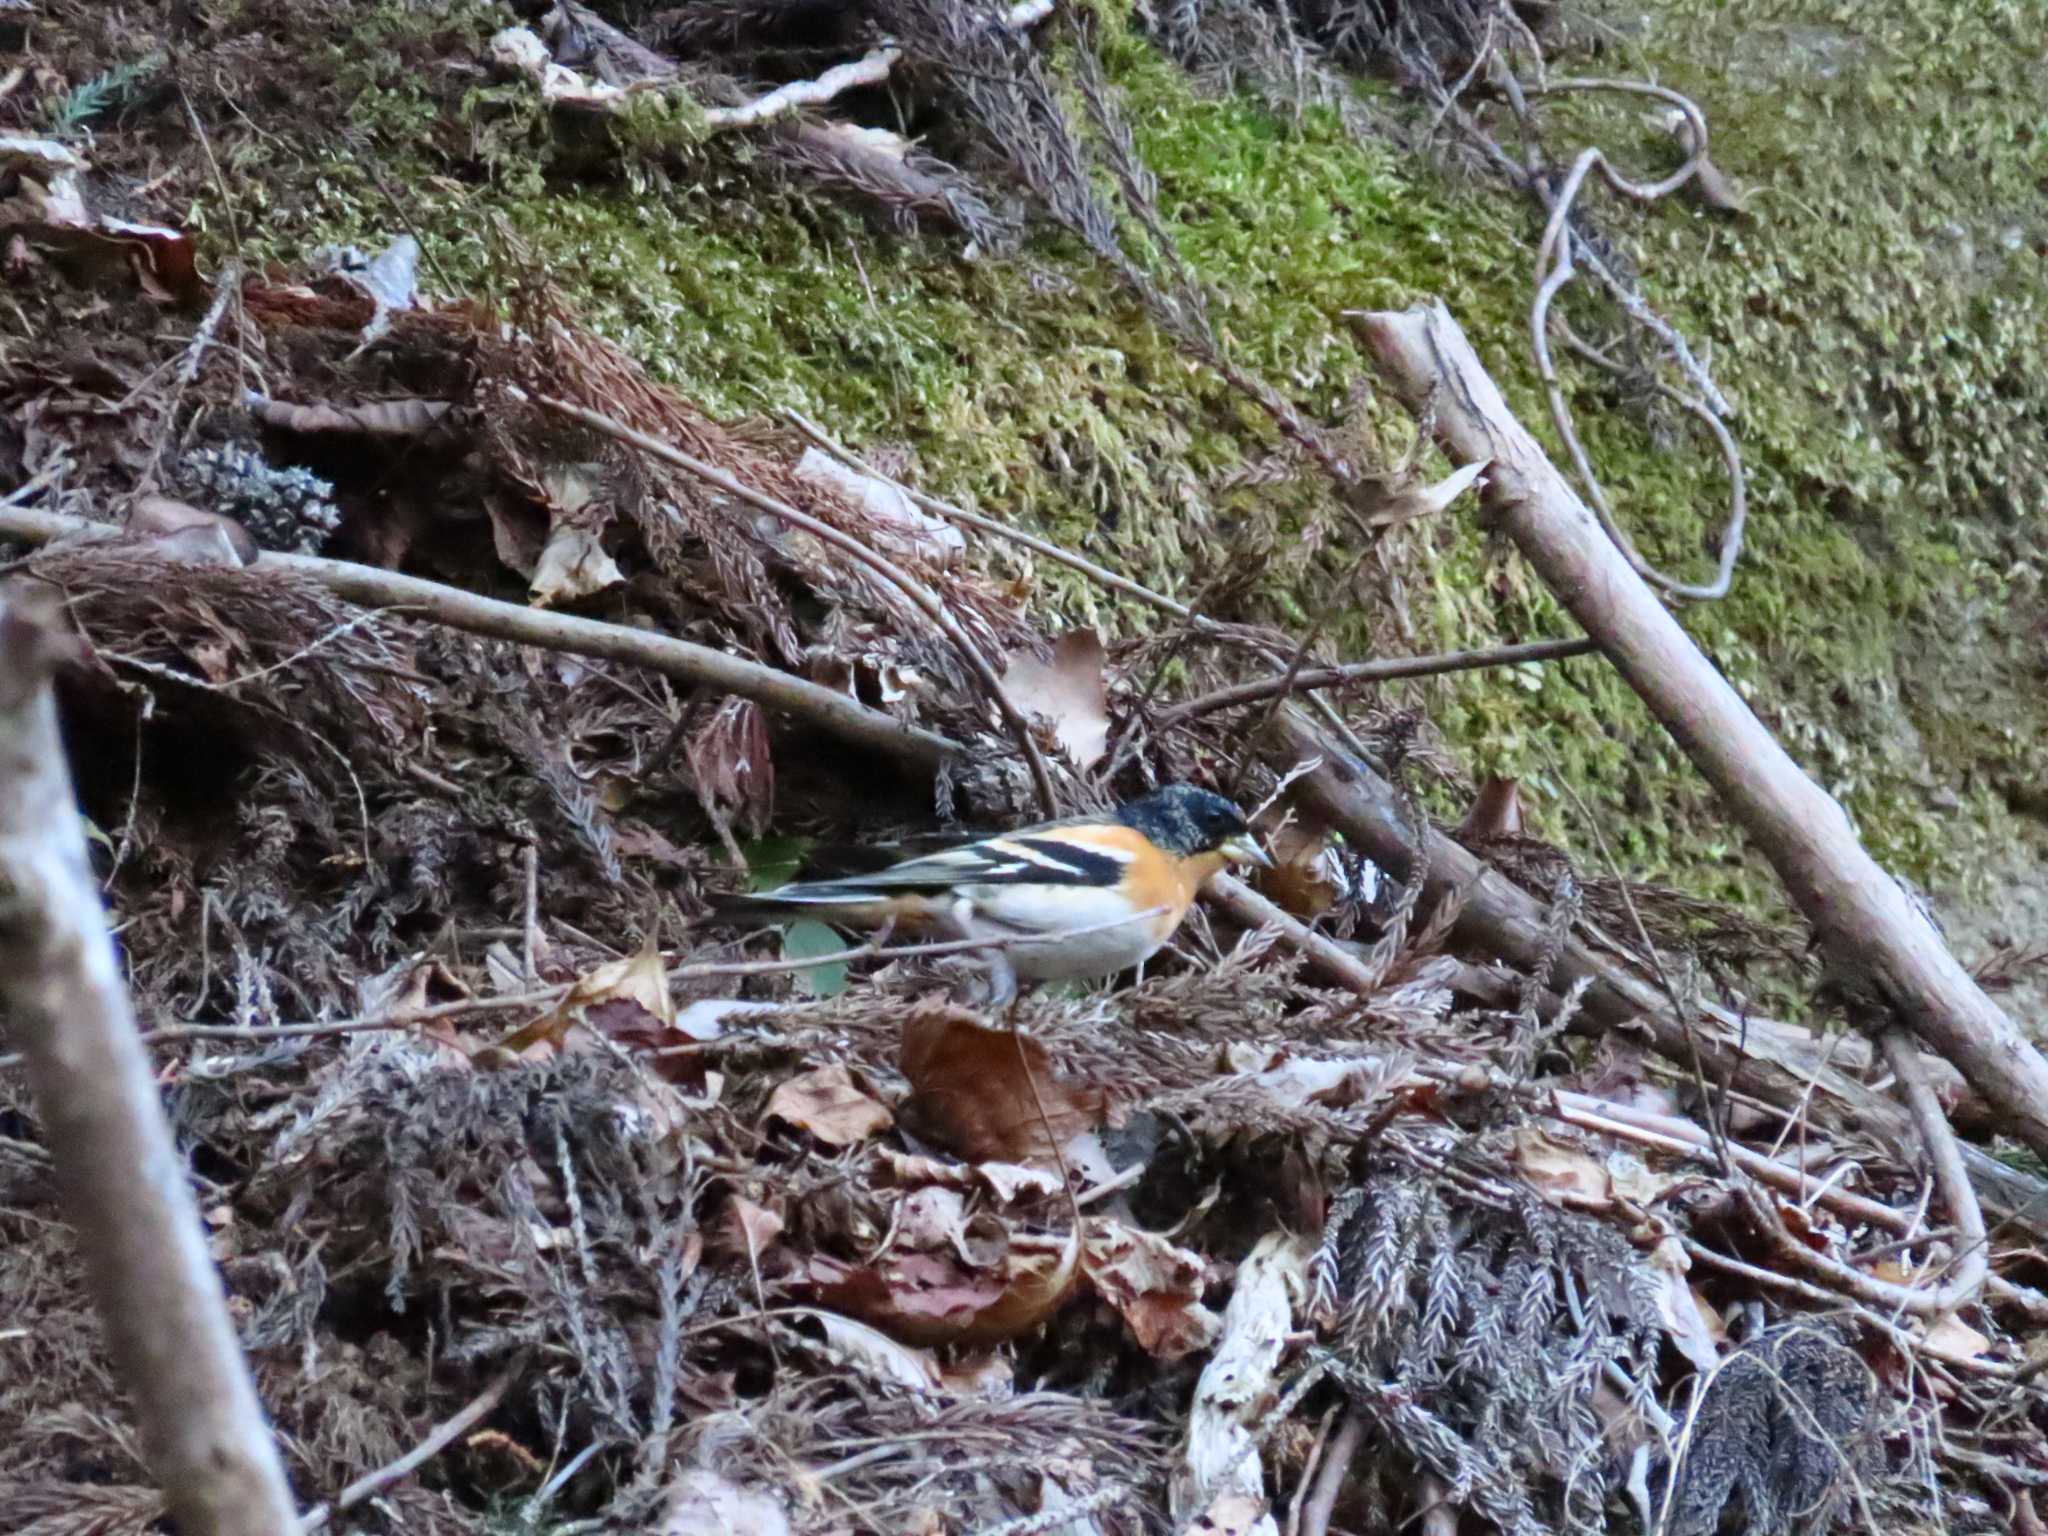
[
  {"x": 1693, "y": 1325},
  {"x": 830, "y": 1107},
  {"x": 184, "y": 532},
  {"x": 50, "y": 210},
  {"x": 879, "y": 1354},
  {"x": 745, "y": 1230},
  {"x": 1953, "y": 1339},
  {"x": 1561, "y": 1173},
  {"x": 701, "y": 1503},
  {"x": 617, "y": 996},
  {"x": 732, "y": 768},
  {"x": 1155, "y": 1286},
  {"x": 572, "y": 565},
  {"x": 1231, "y": 1514},
  {"x": 968, "y": 1089},
  {"x": 932, "y": 1299},
  {"x": 1069, "y": 692},
  {"x": 1007, "y": 1182},
  {"x": 895, "y": 521}
]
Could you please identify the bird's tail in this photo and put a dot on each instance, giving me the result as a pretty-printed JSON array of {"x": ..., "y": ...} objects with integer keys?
[{"x": 826, "y": 900}]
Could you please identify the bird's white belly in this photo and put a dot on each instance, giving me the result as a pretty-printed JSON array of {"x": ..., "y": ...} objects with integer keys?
[{"x": 1058, "y": 910}]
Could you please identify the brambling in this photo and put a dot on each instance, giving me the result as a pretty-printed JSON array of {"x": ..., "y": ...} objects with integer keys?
[{"x": 1119, "y": 884}]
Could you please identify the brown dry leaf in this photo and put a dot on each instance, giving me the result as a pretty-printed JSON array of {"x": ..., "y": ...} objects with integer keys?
[
  {"x": 1693, "y": 1325},
  {"x": 50, "y": 209},
  {"x": 701, "y": 1503},
  {"x": 1069, "y": 692},
  {"x": 1154, "y": 1285},
  {"x": 1953, "y": 1339},
  {"x": 1562, "y": 1174},
  {"x": 373, "y": 418},
  {"x": 1307, "y": 877},
  {"x": 617, "y": 996},
  {"x": 968, "y": 1089},
  {"x": 1007, "y": 1182},
  {"x": 932, "y": 1299},
  {"x": 829, "y": 1106},
  {"x": 731, "y": 765}
]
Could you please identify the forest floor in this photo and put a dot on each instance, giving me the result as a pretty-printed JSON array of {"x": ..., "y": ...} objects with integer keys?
[{"x": 727, "y": 1232}]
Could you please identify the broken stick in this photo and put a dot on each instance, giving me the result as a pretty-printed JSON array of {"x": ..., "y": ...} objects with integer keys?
[{"x": 1866, "y": 923}]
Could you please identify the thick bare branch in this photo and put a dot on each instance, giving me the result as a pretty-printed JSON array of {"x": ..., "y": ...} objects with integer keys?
[
  {"x": 124, "y": 1186},
  {"x": 1865, "y": 921}
]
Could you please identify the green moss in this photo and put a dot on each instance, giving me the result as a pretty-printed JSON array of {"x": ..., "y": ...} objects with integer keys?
[{"x": 1891, "y": 394}]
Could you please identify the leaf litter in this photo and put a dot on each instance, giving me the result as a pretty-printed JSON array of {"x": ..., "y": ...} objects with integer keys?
[{"x": 790, "y": 1251}]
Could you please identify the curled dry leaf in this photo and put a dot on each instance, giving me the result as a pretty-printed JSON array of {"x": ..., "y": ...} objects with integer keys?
[
  {"x": 184, "y": 532},
  {"x": 874, "y": 1351},
  {"x": 1567, "y": 1174},
  {"x": 572, "y": 565},
  {"x": 968, "y": 1089},
  {"x": 1155, "y": 1286},
  {"x": 933, "y": 1299},
  {"x": 628, "y": 994},
  {"x": 829, "y": 1106},
  {"x": 50, "y": 210},
  {"x": 1694, "y": 1326},
  {"x": 1953, "y": 1339},
  {"x": 1069, "y": 692}
]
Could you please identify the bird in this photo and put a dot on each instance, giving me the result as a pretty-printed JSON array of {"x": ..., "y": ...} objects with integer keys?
[{"x": 1119, "y": 883}]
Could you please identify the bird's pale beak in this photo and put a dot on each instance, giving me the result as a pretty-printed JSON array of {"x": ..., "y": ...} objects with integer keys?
[{"x": 1244, "y": 849}]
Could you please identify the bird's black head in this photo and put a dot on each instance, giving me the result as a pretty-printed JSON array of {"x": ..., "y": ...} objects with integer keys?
[{"x": 1187, "y": 821}]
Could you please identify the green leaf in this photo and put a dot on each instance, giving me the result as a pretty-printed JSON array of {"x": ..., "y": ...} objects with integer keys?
[
  {"x": 773, "y": 861},
  {"x": 805, "y": 938}
]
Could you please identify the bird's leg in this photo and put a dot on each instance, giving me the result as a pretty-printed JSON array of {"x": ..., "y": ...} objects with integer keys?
[{"x": 1002, "y": 976}]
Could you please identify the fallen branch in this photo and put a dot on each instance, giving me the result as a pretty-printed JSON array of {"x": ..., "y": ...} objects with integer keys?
[
  {"x": 889, "y": 572},
  {"x": 697, "y": 665},
  {"x": 438, "y": 1440},
  {"x": 1247, "y": 908},
  {"x": 1864, "y": 920},
  {"x": 125, "y": 1188},
  {"x": 1308, "y": 679}
]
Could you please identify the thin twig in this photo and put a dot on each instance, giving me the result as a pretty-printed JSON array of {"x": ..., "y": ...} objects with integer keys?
[
  {"x": 530, "y": 934},
  {"x": 894, "y": 575},
  {"x": 438, "y": 1440},
  {"x": 1322, "y": 1500},
  {"x": 1388, "y": 670}
]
